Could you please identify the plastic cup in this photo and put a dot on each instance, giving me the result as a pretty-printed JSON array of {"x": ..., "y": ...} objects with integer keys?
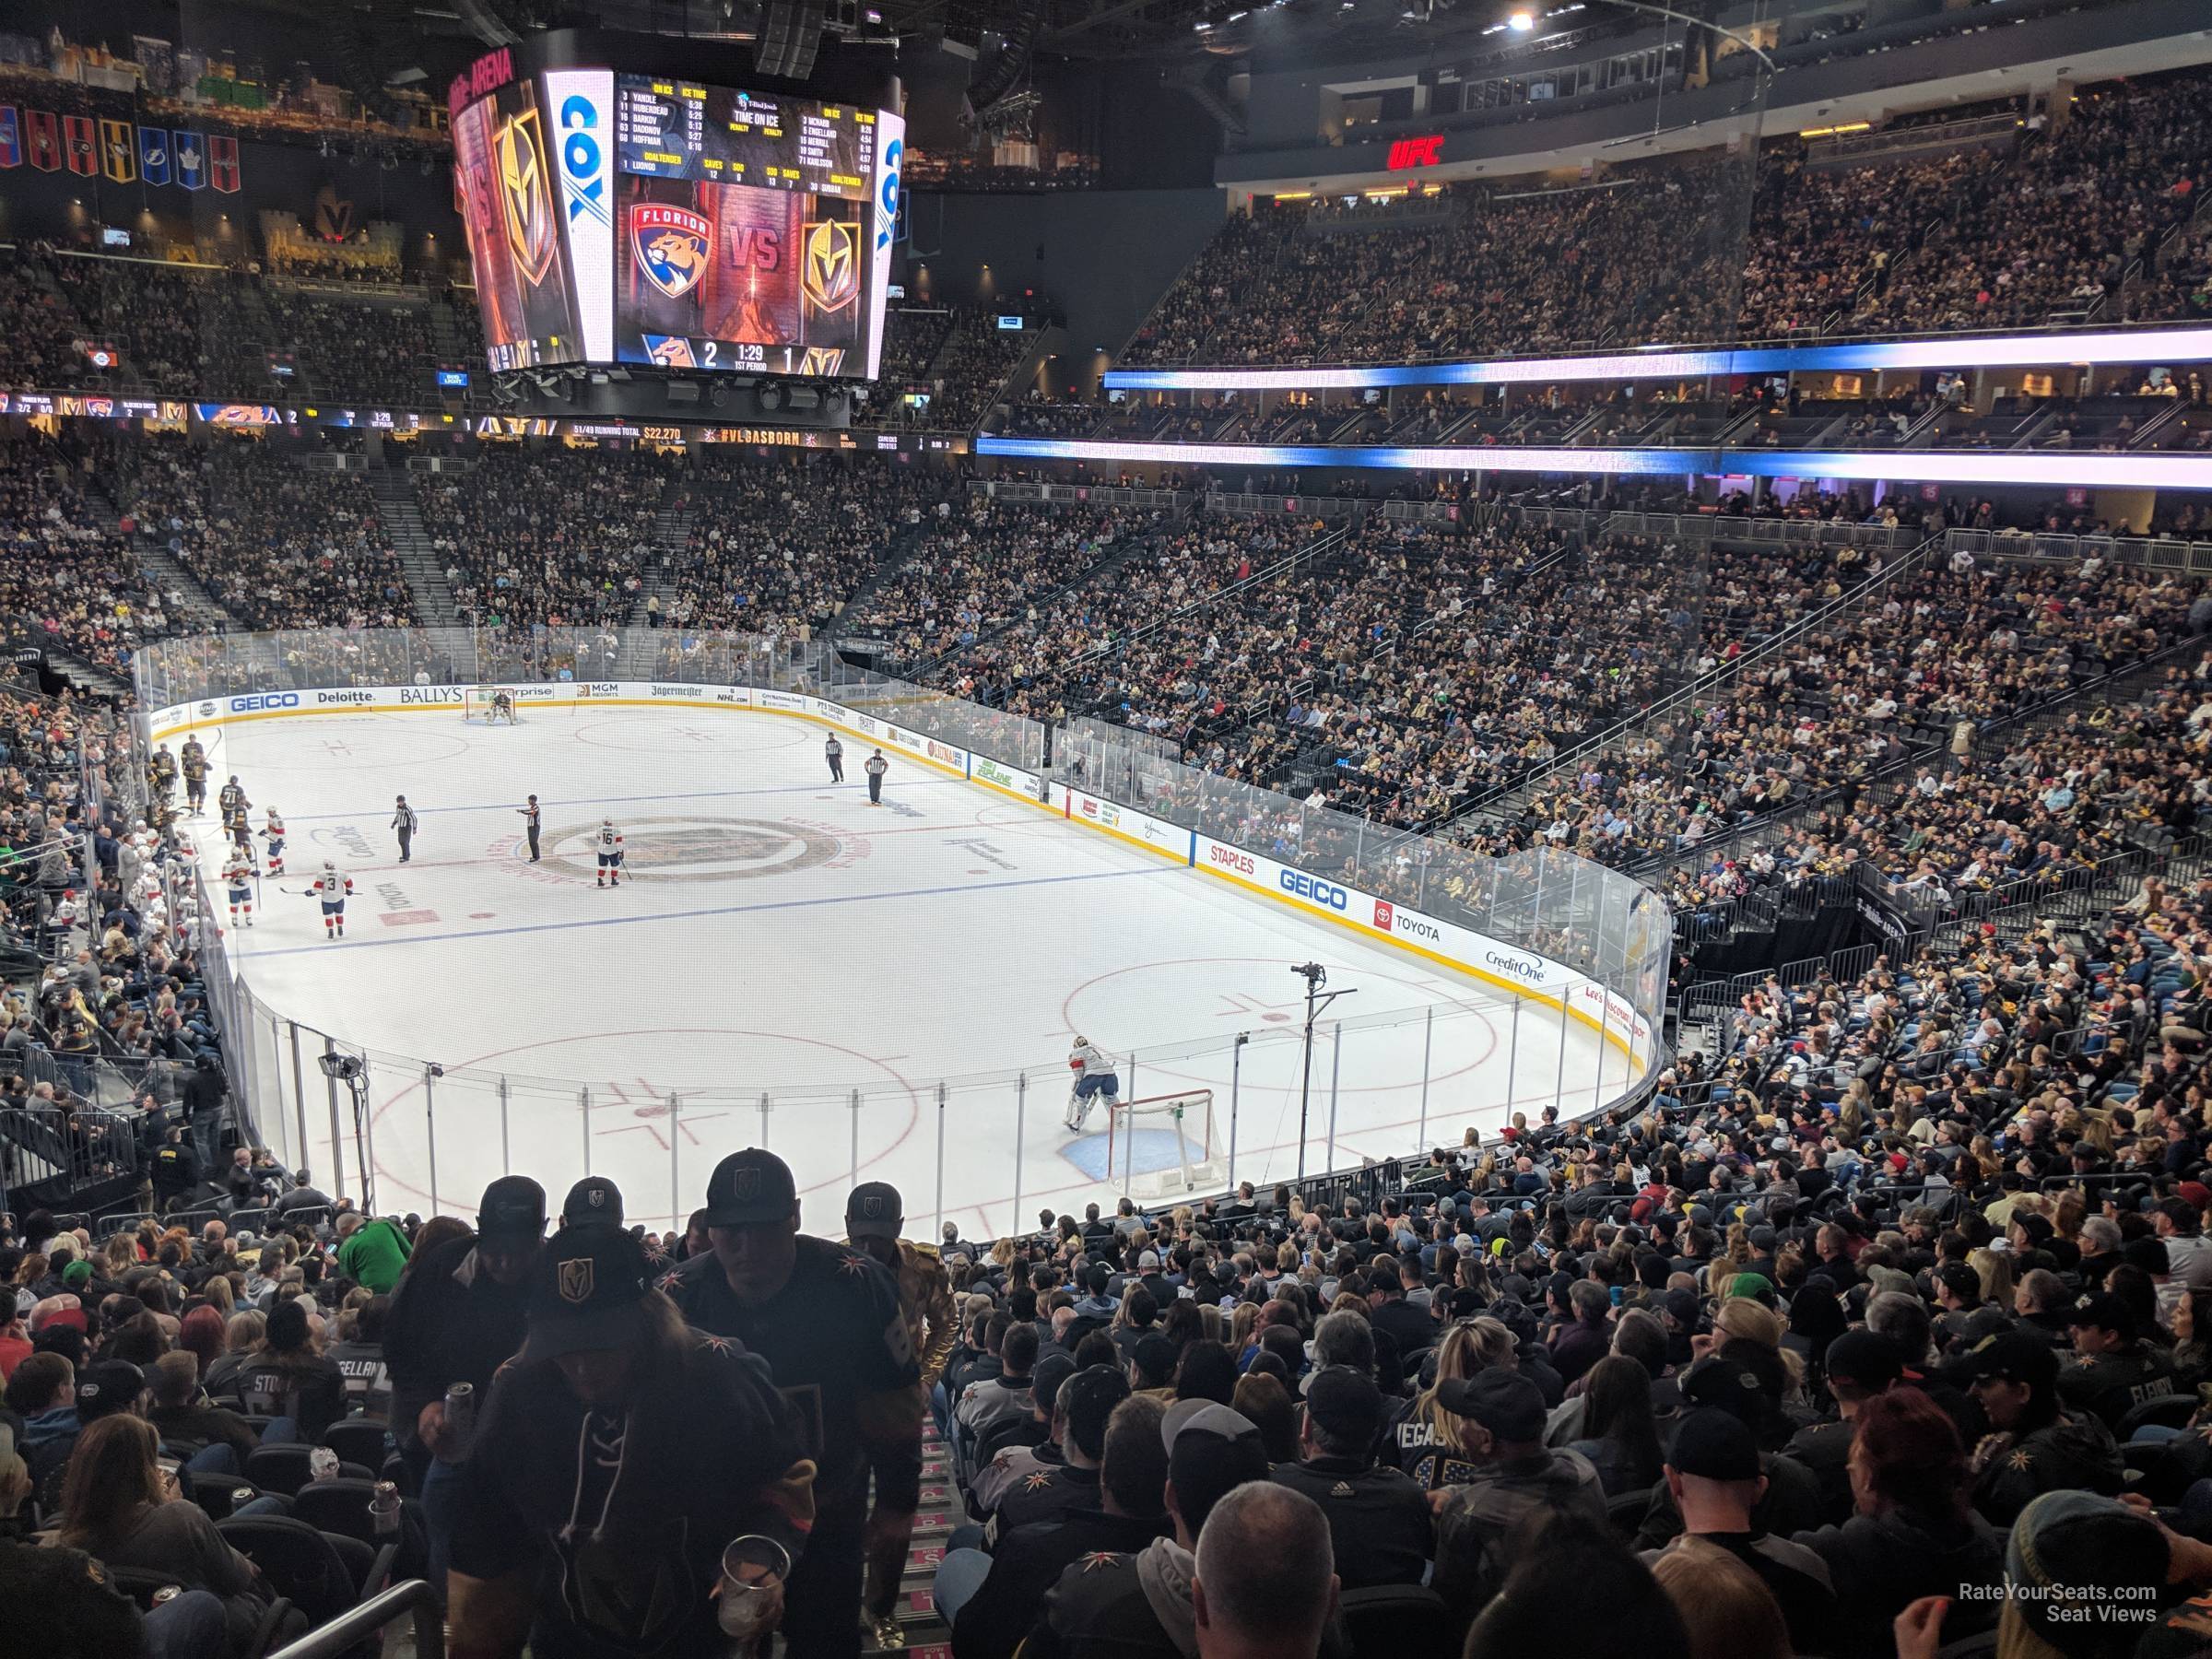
[{"x": 751, "y": 1567}]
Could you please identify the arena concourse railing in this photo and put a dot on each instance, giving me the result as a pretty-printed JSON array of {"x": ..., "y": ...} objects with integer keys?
[{"x": 1563, "y": 963}]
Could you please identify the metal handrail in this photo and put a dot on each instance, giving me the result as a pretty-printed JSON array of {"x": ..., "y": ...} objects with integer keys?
[{"x": 413, "y": 1599}]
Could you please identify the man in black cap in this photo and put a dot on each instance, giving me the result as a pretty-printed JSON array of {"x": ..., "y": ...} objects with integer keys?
[
  {"x": 618, "y": 1455},
  {"x": 2033, "y": 1445},
  {"x": 457, "y": 1316},
  {"x": 990, "y": 1614},
  {"x": 829, "y": 1323},
  {"x": 875, "y": 1214},
  {"x": 2112, "y": 1370},
  {"x": 1860, "y": 1364},
  {"x": 1087, "y": 1400},
  {"x": 1483, "y": 1526},
  {"x": 1378, "y": 1519},
  {"x": 1714, "y": 1474},
  {"x": 1139, "y": 1606}
]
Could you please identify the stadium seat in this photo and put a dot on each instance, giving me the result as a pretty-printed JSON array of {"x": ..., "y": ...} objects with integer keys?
[
  {"x": 312, "y": 1573},
  {"x": 363, "y": 1440},
  {"x": 2170, "y": 1411},
  {"x": 221, "y": 1495},
  {"x": 285, "y": 1469},
  {"x": 341, "y": 1507},
  {"x": 1625, "y": 1511},
  {"x": 1397, "y": 1619}
]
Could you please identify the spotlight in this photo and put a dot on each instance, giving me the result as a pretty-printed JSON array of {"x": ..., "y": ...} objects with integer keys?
[{"x": 1521, "y": 22}]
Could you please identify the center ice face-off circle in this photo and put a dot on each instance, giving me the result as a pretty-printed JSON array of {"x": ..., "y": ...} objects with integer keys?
[{"x": 687, "y": 847}]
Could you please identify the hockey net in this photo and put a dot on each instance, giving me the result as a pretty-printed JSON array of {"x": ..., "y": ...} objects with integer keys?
[
  {"x": 475, "y": 704},
  {"x": 1165, "y": 1146}
]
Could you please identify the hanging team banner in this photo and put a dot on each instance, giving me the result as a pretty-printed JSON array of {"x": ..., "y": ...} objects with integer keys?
[
  {"x": 11, "y": 140},
  {"x": 45, "y": 153},
  {"x": 119, "y": 151},
  {"x": 192, "y": 159},
  {"x": 153, "y": 155},
  {"x": 222, "y": 164},
  {"x": 80, "y": 146}
]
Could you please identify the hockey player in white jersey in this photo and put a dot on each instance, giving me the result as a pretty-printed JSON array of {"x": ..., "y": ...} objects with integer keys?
[
  {"x": 237, "y": 881},
  {"x": 332, "y": 885},
  {"x": 1094, "y": 1076},
  {"x": 273, "y": 833},
  {"x": 609, "y": 844}
]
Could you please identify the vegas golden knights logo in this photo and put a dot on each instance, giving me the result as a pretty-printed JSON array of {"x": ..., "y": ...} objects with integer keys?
[
  {"x": 334, "y": 218},
  {"x": 824, "y": 360},
  {"x": 526, "y": 195},
  {"x": 830, "y": 273},
  {"x": 576, "y": 1280}
]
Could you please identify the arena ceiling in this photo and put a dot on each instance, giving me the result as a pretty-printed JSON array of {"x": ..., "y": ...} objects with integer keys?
[{"x": 1160, "y": 30}]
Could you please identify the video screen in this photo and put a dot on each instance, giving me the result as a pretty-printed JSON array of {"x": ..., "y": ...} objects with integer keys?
[
  {"x": 752, "y": 230},
  {"x": 526, "y": 294}
]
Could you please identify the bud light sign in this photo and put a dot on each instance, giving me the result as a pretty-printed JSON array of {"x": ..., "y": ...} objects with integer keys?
[{"x": 1313, "y": 890}]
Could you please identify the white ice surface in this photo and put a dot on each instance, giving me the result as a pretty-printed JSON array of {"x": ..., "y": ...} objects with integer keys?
[{"x": 778, "y": 937}]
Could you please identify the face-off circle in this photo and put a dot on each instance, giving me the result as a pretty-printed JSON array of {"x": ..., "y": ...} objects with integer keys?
[{"x": 694, "y": 847}]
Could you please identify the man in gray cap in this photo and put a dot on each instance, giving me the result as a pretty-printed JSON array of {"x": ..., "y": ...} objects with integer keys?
[
  {"x": 1483, "y": 1526},
  {"x": 1142, "y": 1602},
  {"x": 593, "y": 1202}
]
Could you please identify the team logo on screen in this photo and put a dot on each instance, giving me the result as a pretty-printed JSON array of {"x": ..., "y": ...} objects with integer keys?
[
  {"x": 671, "y": 351},
  {"x": 672, "y": 244},
  {"x": 830, "y": 274},
  {"x": 526, "y": 195},
  {"x": 822, "y": 359}
]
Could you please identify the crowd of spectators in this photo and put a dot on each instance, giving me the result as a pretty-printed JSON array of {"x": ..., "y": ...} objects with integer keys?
[
  {"x": 66, "y": 568},
  {"x": 977, "y": 570},
  {"x": 553, "y": 537},
  {"x": 383, "y": 351},
  {"x": 276, "y": 545},
  {"x": 1693, "y": 250},
  {"x": 971, "y": 366},
  {"x": 1920, "y": 669},
  {"x": 780, "y": 547}
]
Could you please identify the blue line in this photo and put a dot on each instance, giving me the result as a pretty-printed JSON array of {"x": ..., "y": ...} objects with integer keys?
[
  {"x": 690, "y": 794},
  {"x": 732, "y": 909}
]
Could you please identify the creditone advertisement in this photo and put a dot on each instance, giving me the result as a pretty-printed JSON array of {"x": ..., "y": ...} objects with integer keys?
[{"x": 1512, "y": 968}]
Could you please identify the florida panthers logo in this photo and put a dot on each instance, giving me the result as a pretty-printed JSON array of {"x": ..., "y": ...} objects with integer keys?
[{"x": 671, "y": 245}]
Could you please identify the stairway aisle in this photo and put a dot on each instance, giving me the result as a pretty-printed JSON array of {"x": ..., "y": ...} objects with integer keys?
[{"x": 434, "y": 596}]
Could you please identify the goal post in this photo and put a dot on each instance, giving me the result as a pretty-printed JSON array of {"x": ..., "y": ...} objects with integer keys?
[
  {"x": 475, "y": 702},
  {"x": 1165, "y": 1146}
]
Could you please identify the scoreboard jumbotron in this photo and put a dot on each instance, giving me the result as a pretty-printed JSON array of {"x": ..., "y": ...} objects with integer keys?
[{"x": 619, "y": 217}]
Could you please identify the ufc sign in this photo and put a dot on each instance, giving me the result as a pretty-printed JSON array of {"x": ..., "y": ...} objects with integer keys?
[{"x": 1415, "y": 152}]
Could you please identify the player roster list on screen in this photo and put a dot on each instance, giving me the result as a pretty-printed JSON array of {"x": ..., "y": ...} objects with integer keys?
[{"x": 749, "y": 230}]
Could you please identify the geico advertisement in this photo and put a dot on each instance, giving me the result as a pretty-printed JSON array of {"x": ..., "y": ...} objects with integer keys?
[{"x": 1523, "y": 970}]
